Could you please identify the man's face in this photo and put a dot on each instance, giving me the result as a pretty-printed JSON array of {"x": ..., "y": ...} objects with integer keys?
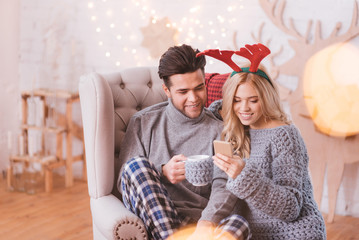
[{"x": 188, "y": 93}]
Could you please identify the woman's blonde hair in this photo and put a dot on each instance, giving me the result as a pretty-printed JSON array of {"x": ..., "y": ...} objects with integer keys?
[{"x": 234, "y": 131}]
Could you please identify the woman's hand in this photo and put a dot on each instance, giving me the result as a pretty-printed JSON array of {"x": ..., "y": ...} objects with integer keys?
[{"x": 232, "y": 166}]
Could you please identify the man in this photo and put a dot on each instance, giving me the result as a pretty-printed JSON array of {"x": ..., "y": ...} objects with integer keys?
[{"x": 153, "y": 184}]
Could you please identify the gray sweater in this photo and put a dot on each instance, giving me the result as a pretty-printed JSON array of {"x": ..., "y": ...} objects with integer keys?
[
  {"x": 161, "y": 131},
  {"x": 276, "y": 186}
]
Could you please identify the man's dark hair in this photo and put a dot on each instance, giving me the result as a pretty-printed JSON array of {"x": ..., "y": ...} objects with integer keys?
[{"x": 179, "y": 60}]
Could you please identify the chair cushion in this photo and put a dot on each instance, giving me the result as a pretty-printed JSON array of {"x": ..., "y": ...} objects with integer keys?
[
  {"x": 133, "y": 89},
  {"x": 214, "y": 84}
]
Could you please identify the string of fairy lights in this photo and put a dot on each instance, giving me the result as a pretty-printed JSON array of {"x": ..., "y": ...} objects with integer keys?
[
  {"x": 117, "y": 25},
  {"x": 198, "y": 26}
]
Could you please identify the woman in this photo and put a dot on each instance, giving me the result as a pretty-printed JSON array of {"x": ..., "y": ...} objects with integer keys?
[{"x": 269, "y": 170}]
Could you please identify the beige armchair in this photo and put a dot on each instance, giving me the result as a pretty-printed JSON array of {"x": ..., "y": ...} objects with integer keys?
[{"x": 107, "y": 103}]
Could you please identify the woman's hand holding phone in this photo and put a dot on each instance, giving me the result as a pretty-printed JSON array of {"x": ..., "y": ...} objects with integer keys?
[{"x": 224, "y": 159}]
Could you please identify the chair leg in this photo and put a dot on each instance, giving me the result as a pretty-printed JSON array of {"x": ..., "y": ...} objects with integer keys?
[
  {"x": 48, "y": 180},
  {"x": 9, "y": 177}
]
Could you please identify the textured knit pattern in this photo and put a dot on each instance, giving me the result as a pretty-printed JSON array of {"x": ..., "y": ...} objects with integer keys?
[
  {"x": 145, "y": 195},
  {"x": 199, "y": 172},
  {"x": 276, "y": 186},
  {"x": 215, "y": 107}
]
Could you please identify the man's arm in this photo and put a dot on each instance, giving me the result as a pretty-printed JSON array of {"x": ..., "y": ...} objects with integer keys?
[{"x": 221, "y": 202}]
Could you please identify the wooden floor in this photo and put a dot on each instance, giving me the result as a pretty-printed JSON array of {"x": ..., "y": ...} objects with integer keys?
[
  {"x": 62, "y": 214},
  {"x": 65, "y": 214}
]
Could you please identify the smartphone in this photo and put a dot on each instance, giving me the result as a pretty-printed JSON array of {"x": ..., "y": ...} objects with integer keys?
[{"x": 223, "y": 147}]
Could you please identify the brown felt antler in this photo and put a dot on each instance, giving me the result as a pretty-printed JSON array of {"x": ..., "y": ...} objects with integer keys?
[
  {"x": 254, "y": 53},
  {"x": 224, "y": 56}
]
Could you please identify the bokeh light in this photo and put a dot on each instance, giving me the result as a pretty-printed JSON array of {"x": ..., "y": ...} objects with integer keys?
[{"x": 331, "y": 90}]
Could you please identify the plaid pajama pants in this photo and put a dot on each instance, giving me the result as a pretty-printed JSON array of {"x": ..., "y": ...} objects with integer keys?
[{"x": 145, "y": 195}]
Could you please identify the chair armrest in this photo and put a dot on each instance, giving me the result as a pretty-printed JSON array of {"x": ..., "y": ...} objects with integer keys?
[
  {"x": 111, "y": 216},
  {"x": 97, "y": 109}
]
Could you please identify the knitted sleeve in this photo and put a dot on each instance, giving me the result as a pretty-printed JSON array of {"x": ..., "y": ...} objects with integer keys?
[
  {"x": 222, "y": 202},
  {"x": 279, "y": 196},
  {"x": 215, "y": 107}
]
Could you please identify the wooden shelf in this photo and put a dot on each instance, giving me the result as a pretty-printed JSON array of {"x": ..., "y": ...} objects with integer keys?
[
  {"x": 40, "y": 159},
  {"x": 41, "y": 92},
  {"x": 64, "y": 127},
  {"x": 44, "y": 129}
]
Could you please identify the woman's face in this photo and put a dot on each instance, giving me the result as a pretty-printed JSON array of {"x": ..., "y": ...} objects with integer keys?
[{"x": 247, "y": 106}]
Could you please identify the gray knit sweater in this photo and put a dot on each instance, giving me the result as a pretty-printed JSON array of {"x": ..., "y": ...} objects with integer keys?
[
  {"x": 161, "y": 131},
  {"x": 276, "y": 186}
]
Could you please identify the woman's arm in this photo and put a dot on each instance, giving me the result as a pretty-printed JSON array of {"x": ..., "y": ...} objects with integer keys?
[{"x": 280, "y": 195}]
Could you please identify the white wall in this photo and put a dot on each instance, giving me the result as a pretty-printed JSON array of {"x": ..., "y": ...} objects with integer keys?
[
  {"x": 9, "y": 75},
  {"x": 60, "y": 40}
]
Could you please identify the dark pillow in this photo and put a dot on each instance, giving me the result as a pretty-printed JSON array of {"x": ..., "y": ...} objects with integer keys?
[{"x": 214, "y": 84}]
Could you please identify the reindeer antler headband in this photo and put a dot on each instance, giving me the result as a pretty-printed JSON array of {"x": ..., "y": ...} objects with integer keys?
[{"x": 254, "y": 53}]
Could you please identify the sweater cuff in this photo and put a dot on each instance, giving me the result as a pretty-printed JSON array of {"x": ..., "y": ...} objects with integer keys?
[{"x": 246, "y": 182}]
